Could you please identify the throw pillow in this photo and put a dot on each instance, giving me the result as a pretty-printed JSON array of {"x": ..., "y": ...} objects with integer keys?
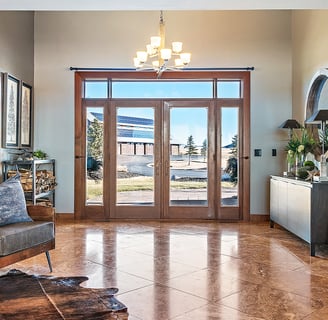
[{"x": 12, "y": 202}]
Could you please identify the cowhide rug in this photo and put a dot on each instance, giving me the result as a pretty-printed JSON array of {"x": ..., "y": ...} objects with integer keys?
[{"x": 24, "y": 296}]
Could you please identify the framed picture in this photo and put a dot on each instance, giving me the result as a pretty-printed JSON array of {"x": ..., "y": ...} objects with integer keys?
[
  {"x": 10, "y": 114},
  {"x": 1, "y": 88},
  {"x": 26, "y": 115}
]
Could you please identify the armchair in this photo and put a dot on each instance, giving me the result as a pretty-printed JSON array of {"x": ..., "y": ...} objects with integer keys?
[{"x": 22, "y": 240}]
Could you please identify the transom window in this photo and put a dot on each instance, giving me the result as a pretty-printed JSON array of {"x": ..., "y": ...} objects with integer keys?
[{"x": 159, "y": 89}]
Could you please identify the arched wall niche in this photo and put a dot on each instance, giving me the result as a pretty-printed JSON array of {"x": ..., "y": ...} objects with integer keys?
[
  {"x": 317, "y": 98},
  {"x": 317, "y": 93}
]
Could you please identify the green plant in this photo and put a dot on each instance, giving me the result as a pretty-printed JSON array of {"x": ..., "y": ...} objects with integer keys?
[
  {"x": 323, "y": 136},
  {"x": 40, "y": 154},
  {"x": 300, "y": 144},
  {"x": 309, "y": 165}
]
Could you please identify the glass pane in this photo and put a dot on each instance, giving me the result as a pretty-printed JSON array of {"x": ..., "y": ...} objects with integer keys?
[
  {"x": 323, "y": 100},
  {"x": 229, "y": 157},
  {"x": 135, "y": 156},
  {"x": 228, "y": 89},
  {"x": 188, "y": 156},
  {"x": 162, "y": 89},
  {"x": 96, "y": 89},
  {"x": 94, "y": 155}
]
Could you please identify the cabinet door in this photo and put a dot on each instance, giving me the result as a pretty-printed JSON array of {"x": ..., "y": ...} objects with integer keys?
[
  {"x": 283, "y": 201},
  {"x": 278, "y": 202},
  {"x": 299, "y": 210},
  {"x": 274, "y": 200}
]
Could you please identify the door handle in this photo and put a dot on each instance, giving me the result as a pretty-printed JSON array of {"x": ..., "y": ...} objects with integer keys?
[
  {"x": 166, "y": 168},
  {"x": 244, "y": 157},
  {"x": 157, "y": 165},
  {"x": 79, "y": 157}
]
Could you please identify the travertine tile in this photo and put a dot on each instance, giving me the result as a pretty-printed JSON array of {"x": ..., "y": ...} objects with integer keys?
[
  {"x": 215, "y": 312},
  {"x": 200, "y": 270},
  {"x": 160, "y": 302}
]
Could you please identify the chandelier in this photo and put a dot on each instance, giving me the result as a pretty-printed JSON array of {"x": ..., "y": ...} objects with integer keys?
[{"x": 158, "y": 56}]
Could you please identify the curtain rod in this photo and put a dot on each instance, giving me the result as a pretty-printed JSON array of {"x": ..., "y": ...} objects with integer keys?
[{"x": 185, "y": 69}]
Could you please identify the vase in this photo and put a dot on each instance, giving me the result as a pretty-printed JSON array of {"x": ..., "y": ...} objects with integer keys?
[
  {"x": 296, "y": 166},
  {"x": 289, "y": 168},
  {"x": 323, "y": 166},
  {"x": 299, "y": 160}
]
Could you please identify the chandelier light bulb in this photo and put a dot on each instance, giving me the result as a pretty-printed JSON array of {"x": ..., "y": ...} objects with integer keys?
[
  {"x": 166, "y": 54},
  {"x": 185, "y": 57},
  {"x": 137, "y": 63},
  {"x": 178, "y": 63},
  {"x": 155, "y": 41},
  {"x": 142, "y": 56},
  {"x": 151, "y": 51},
  {"x": 176, "y": 47}
]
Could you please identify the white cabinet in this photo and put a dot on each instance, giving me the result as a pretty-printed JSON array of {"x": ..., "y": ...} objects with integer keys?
[{"x": 300, "y": 207}]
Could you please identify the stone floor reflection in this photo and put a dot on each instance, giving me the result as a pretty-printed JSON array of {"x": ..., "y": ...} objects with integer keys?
[{"x": 187, "y": 271}]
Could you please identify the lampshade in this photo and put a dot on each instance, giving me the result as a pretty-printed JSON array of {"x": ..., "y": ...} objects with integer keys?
[
  {"x": 142, "y": 56},
  {"x": 166, "y": 54},
  {"x": 155, "y": 41},
  {"x": 290, "y": 124},
  {"x": 318, "y": 116},
  {"x": 176, "y": 47}
]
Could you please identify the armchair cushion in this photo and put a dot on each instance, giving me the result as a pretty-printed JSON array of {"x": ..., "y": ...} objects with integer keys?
[
  {"x": 20, "y": 236},
  {"x": 12, "y": 202}
]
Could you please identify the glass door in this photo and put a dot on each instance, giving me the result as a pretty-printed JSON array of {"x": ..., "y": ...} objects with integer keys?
[
  {"x": 91, "y": 154},
  {"x": 229, "y": 166},
  {"x": 136, "y": 162},
  {"x": 188, "y": 166}
]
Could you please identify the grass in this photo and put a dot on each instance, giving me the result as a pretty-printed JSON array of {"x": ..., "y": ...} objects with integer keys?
[{"x": 146, "y": 184}]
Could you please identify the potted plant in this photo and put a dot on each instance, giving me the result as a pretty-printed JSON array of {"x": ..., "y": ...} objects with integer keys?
[{"x": 39, "y": 154}]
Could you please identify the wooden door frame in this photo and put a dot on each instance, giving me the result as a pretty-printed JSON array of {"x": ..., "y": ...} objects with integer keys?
[
  {"x": 79, "y": 153},
  {"x": 189, "y": 212},
  {"x": 225, "y": 213}
]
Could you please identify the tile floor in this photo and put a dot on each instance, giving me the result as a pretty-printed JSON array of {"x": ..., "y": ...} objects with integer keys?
[{"x": 189, "y": 271}]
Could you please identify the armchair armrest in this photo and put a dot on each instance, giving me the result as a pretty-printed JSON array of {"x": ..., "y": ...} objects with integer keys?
[{"x": 41, "y": 213}]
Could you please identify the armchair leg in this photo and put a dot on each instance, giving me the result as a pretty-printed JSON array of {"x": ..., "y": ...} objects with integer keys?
[{"x": 49, "y": 261}]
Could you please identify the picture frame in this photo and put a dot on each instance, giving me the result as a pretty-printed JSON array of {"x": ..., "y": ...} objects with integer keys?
[
  {"x": 1, "y": 105},
  {"x": 26, "y": 116},
  {"x": 10, "y": 111}
]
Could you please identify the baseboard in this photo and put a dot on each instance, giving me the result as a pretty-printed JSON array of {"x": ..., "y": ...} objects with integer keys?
[
  {"x": 253, "y": 218},
  {"x": 259, "y": 217},
  {"x": 65, "y": 216}
]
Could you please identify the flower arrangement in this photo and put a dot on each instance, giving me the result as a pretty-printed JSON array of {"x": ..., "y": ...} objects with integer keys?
[
  {"x": 300, "y": 145},
  {"x": 297, "y": 149}
]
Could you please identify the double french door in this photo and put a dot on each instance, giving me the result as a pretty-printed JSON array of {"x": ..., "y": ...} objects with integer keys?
[{"x": 162, "y": 159}]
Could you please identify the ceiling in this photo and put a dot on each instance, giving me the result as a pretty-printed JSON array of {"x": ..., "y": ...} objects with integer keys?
[{"x": 37, "y": 5}]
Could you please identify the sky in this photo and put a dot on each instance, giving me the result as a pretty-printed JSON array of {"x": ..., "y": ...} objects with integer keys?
[{"x": 184, "y": 121}]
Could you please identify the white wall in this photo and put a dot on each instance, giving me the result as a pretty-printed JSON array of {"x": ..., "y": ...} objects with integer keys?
[
  {"x": 216, "y": 39},
  {"x": 16, "y": 51},
  {"x": 310, "y": 47}
]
